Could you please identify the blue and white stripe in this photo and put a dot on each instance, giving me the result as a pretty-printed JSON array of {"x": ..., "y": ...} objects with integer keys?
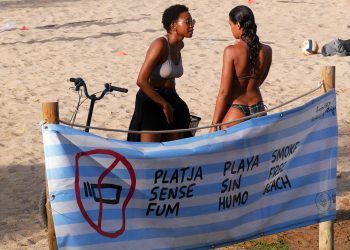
[{"x": 311, "y": 170}]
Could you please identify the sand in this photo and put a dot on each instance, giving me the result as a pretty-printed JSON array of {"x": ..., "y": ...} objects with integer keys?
[{"x": 69, "y": 38}]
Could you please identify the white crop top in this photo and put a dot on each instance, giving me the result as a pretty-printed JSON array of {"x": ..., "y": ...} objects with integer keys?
[{"x": 168, "y": 69}]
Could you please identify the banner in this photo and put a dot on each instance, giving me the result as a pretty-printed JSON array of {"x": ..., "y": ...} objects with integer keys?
[{"x": 262, "y": 176}]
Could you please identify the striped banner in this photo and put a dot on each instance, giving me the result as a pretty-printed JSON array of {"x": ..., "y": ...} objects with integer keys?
[{"x": 262, "y": 176}]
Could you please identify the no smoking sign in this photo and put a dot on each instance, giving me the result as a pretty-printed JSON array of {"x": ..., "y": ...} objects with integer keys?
[{"x": 103, "y": 199}]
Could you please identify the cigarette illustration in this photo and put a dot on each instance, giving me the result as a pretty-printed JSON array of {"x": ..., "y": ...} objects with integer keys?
[{"x": 91, "y": 190}]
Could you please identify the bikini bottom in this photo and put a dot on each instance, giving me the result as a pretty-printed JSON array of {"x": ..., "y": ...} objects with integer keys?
[{"x": 249, "y": 110}]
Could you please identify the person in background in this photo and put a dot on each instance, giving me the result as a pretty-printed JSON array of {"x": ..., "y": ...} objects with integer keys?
[
  {"x": 157, "y": 105},
  {"x": 246, "y": 64}
]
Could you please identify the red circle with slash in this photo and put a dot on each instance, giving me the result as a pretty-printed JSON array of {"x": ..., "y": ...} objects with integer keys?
[{"x": 118, "y": 158}]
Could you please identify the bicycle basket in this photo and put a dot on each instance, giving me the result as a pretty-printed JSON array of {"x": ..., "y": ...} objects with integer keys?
[{"x": 194, "y": 123}]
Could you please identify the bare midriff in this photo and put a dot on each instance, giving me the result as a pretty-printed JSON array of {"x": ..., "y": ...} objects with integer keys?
[{"x": 161, "y": 83}]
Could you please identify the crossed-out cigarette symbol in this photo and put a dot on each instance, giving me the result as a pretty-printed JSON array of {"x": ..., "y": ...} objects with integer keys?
[{"x": 95, "y": 190}]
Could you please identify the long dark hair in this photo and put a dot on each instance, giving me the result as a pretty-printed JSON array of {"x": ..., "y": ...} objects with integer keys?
[{"x": 245, "y": 17}]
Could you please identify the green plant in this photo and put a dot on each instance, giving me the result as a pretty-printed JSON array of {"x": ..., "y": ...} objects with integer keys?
[{"x": 276, "y": 245}]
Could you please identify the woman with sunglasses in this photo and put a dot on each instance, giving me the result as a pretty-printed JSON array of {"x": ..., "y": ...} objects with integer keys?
[
  {"x": 246, "y": 64},
  {"x": 157, "y": 105}
]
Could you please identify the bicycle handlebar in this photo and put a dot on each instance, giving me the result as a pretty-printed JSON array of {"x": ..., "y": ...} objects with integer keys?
[
  {"x": 78, "y": 82},
  {"x": 73, "y": 79},
  {"x": 113, "y": 88}
]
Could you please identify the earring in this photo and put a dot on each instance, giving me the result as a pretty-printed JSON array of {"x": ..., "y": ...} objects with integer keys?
[{"x": 173, "y": 27}]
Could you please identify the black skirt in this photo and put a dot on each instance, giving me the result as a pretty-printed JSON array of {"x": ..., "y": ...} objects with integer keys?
[{"x": 148, "y": 115}]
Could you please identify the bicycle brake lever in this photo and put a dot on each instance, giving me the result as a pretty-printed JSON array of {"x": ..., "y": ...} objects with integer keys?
[
  {"x": 78, "y": 82},
  {"x": 108, "y": 87}
]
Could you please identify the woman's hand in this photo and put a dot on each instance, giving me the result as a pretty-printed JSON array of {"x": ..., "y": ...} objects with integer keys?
[
  {"x": 213, "y": 129},
  {"x": 168, "y": 112}
]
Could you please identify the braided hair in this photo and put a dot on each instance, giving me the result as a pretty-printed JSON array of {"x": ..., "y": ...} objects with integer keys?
[{"x": 245, "y": 17}]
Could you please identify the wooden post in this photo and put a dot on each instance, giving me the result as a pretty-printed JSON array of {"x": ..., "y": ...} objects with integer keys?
[
  {"x": 51, "y": 116},
  {"x": 326, "y": 229},
  {"x": 328, "y": 77}
]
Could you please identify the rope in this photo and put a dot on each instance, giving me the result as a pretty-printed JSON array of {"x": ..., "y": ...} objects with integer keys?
[
  {"x": 198, "y": 128},
  {"x": 50, "y": 209},
  {"x": 72, "y": 119}
]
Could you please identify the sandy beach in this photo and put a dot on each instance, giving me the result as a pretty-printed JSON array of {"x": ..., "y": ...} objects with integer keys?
[{"x": 72, "y": 38}]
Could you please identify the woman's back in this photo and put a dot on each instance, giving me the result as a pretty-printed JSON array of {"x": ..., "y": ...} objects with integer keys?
[{"x": 246, "y": 83}]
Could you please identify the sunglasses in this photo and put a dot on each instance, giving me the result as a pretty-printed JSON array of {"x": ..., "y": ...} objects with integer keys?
[{"x": 188, "y": 22}]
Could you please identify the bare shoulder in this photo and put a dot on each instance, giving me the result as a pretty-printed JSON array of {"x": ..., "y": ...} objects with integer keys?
[
  {"x": 231, "y": 50},
  {"x": 235, "y": 49},
  {"x": 158, "y": 43},
  {"x": 157, "y": 49},
  {"x": 266, "y": 49}
]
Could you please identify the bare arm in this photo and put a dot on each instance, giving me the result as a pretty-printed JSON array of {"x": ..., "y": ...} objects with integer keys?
[
  {"x": 153, "y": 56},
  {"x": 223, "y": 98},
  {"x": 267, "y": 69}
]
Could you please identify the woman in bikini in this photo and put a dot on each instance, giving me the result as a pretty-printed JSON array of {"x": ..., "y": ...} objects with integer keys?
[
  {"x": 157, "y": 105},
  {"x": 246, "y": 64}
]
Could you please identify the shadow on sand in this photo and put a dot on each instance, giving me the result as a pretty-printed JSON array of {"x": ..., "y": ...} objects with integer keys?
[
  {"x": 31, "y": 3},
  {"x": 20, "y": 187}
]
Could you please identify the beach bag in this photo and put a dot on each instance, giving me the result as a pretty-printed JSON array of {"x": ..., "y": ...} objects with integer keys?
[
  {"x": 336, "y": 47},
  {"x": 193, "y": 124}
]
